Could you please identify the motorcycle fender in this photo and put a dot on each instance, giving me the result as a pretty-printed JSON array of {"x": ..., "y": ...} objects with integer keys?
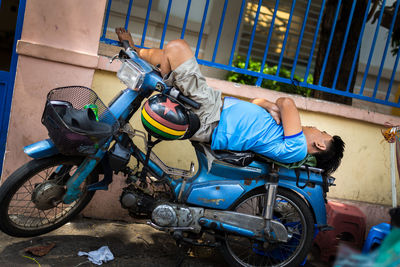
[
  {"x": 42, "y": 149},
  {"x": 314, "y": 198},
  {"x": 216, "y": 195}
]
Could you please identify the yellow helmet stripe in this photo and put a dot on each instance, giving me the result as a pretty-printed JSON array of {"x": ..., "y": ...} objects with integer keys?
[{"x": 160, "y": 126}]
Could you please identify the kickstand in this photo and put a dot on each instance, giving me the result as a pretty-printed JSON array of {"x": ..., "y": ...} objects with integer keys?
[{"x": 183, "y": 252}]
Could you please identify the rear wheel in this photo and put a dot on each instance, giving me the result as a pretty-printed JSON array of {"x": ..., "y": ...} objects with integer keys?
[
  {"x": 292, "y": 212},
  {"x": 31, "y": 198}
]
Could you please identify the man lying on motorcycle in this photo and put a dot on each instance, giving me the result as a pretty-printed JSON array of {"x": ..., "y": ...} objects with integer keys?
[{"x": 238, "y": 125}]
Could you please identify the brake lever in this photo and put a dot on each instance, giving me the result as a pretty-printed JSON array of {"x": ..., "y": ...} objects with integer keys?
[
  {"x": 121, "y": 55},
  {"x": 113, "y": 58}
]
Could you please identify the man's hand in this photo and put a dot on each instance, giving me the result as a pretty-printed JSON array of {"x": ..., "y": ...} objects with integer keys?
[
  {"x": 154, "y": 56},
  {"x": 271, "y": 107}
]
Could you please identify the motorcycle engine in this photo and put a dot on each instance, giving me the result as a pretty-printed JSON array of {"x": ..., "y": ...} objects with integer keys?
[
  {"x": 141, "y": 201},
  {"x": 137, "y": 202},
  {"x": 154, "y": 203}
]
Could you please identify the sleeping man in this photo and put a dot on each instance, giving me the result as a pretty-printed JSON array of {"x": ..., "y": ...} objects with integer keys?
[{"x": 272, "y": 129}]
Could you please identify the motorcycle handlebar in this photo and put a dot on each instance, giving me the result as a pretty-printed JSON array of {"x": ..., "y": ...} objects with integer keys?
[
  {"x": 189, "y": 101},
  {"x": 175, "y": 93},
  {"x": 125, "y": 44}
]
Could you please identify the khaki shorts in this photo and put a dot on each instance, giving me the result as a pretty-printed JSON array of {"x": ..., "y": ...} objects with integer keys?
[{"x": 189, "y": 80}]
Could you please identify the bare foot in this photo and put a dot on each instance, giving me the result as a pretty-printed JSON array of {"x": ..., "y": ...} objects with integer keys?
[{"x": 124, "y": 35}]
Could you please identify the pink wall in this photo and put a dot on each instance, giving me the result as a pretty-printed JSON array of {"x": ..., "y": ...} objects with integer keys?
[
  {"x": 58, "y": 47},
  {"x": 72, "y": 25}
]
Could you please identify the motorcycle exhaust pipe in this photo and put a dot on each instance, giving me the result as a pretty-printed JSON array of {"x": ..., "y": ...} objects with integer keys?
[
  {"x": 216, "y": 225},
  {"x": 243, "y": 224}
]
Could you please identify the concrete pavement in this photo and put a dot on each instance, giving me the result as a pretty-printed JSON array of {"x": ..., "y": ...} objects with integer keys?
[{"x": 132, "y": 244}]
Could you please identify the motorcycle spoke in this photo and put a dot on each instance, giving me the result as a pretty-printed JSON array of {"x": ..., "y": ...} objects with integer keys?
[
  {"x": 32, "y": 196},
  {"x": 45, "y": 215},
  {"x": 27, "y": 189},
  {"x": 22, "y": 211},
  {"x": 29, "y": 217},
  {"x": 255, "y": 253},
  {"x": 44, "y": 179},
  {"x": 22, "y": 198}
]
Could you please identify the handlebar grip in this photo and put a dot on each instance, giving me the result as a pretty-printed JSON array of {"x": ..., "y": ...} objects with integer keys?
[
  {"x": 189, "y": 101},
  {"x": 125, "y": 44}
]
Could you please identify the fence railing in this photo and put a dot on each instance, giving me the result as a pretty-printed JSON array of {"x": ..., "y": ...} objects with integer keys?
[{"x": 315, "y": 39}]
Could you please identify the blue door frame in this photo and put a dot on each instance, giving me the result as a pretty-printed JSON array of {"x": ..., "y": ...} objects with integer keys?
[{"x": 7, "y": 84}]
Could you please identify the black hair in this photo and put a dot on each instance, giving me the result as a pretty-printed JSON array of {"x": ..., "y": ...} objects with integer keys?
[{"x": 329, "y": 159}]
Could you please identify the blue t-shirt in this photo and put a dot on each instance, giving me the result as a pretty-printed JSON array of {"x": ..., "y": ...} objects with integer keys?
[{"x": 246, "y": 126}]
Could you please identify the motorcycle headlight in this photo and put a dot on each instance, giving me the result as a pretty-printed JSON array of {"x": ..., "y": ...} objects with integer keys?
[{"x": 131, "y": 75}]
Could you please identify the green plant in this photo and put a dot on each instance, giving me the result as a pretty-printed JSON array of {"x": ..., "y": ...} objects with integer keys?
[{"x": 255, "y": 66}]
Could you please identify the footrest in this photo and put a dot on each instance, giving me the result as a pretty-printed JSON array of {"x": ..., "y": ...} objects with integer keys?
[{"x": 102, "y": 185}]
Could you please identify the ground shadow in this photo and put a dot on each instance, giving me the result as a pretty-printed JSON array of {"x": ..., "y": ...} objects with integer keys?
[{"x": 161, "y": 251}]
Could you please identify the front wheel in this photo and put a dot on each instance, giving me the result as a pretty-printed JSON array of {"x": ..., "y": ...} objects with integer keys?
[
  {"x": 292, "y": 212},
  {"x": 31, "y": 198}
]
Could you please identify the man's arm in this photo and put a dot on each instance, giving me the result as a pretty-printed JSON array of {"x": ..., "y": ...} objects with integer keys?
[
  {"x": 153, "y": 56},
  {"x": 290, "y": 116},
  {"x": 271, "y": 107}
]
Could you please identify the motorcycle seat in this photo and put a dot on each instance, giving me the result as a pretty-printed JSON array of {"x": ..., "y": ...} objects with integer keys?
[
  {"x": 244, "y": 158},
  {"x": 238, "y": 158}
]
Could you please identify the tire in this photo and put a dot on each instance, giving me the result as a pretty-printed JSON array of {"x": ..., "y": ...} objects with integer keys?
[
  {"x": 31, "y": 197},
  {"x": 243, "y": 251}
]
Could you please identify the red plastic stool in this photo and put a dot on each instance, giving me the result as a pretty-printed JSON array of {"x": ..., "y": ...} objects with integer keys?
[{"x": 349, "y": 225}]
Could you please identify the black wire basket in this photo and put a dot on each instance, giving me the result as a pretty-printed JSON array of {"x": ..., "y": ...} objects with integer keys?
[{"x": 77, "y": 120}]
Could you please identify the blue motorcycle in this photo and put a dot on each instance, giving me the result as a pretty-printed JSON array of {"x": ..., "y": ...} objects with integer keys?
[{"x": 257, "y": 211}]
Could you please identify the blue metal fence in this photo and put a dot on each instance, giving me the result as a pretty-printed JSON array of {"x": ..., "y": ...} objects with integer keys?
[
  {"x": 386, "y": 97},
  {"x": 7, "y": 78}
]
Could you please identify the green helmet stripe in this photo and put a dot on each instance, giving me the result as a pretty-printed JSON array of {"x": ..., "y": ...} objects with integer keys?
[{"x": 157, "y": 131}]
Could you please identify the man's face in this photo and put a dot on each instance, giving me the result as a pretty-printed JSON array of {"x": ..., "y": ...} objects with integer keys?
[{"x": 317, "y": 136}]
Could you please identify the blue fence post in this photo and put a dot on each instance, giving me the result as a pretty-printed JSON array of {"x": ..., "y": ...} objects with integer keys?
[
  {"x": 344, "y": 44},
  {"x": 253, "y": 32},
  {"x": 271, "y": 28},
  {"x": 103, "y": 36},
  {"x": 314, "y": 41},
  {"x": 358, "y": 47},
  {"x": 392, "y": 78},
  {"x": 285, "y": 38},
  {"x": 386, "y": 48},
  {"x": 371, "y": 52},
  {"x": 203, "y": 22},
  {"x": 128, "y": 14},
  {"x": 239, "y": 21},
  {"x": 186, "y": 19},
  {"x": 300, "y": 40},
  {"x": 146, "y": 22},
  {"x": 221, "y": 24},
  {"x": 165, "y": 24},
  {"x": 321, "y": 77}
]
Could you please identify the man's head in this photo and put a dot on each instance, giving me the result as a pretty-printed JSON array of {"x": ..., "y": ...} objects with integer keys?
[{"x": 327, "y": 149}]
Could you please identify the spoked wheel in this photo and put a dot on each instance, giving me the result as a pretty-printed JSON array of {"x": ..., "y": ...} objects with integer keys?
[
  {"x": 31, "y": 198},
  {"x": 292, "y": 212}
]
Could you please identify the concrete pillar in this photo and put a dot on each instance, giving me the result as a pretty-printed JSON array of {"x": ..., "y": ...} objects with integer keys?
[
  {"x": 58, "y": 47},
  {"x": 227, "y": 36}
]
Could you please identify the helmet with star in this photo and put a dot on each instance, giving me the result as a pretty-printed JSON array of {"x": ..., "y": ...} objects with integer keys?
[{"x": 165, "y": 118}]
